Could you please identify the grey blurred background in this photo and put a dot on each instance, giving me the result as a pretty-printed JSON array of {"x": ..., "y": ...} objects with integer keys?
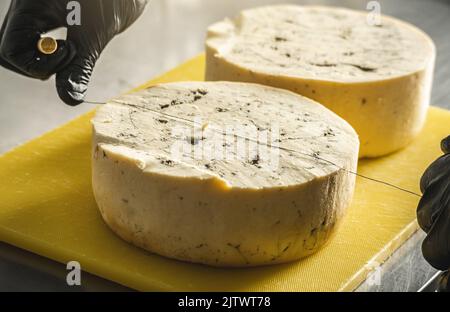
[{"x": 170, "y": 32}]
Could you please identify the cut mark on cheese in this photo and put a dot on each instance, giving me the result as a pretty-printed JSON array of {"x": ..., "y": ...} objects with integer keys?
[
  {"x": 314, "y": 155},
  {"x": 361, "y": 67}
]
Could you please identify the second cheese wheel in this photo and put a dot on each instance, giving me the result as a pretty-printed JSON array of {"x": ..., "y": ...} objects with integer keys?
[
  {"x": 225, "y": 174},
  {"x": 376, "y": 76}
]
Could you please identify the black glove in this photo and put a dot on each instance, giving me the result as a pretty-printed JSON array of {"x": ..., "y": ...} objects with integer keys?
[
  {"x": 433, "y": 212},
  {"x": 444, "y": 282},
  {"x": 75, "y": 58}
]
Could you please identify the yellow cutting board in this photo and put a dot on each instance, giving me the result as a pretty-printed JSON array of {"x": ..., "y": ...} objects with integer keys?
[{"x": 47, "y": 207}]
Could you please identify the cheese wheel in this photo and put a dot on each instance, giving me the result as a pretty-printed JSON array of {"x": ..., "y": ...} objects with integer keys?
[
  {"x": 378, "y": 77},
  {"x": 222, "y": 173}
]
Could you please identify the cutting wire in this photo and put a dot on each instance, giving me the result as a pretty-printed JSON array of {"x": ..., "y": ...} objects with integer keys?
[{"x": 315, "y": 156}]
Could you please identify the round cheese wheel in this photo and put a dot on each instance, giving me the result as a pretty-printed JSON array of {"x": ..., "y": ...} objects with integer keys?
[
  {"x": 377, "y": 76},
  {"x": 222, "y": 173}
]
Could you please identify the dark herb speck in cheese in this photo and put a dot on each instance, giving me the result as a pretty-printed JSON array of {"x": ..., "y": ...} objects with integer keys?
[
  {"x": 167, "y": 162},
  {"x": 329, "y": 132},
  {"x": 280, "y": 39},
  {"x": 363, "y": 68}
]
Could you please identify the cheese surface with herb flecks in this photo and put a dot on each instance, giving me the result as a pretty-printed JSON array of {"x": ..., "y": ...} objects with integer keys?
[
  {"x": 372, "y": 70},
  {"x": 222, "y": 173}
]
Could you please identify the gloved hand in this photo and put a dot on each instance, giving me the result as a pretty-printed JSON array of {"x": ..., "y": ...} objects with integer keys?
[
  {"x": 75, "y": 58},
  {"x": 444, "y": 282},
  {"x": 433, "y": 212}
]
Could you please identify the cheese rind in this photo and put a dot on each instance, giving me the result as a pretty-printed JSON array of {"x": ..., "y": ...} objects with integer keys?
[
  {"x": 230, "y": 211},
  {"x": 377, "y": 77}
]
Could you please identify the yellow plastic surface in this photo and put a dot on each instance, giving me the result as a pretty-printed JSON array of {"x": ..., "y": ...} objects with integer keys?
[{"x": 47, "y": 207}]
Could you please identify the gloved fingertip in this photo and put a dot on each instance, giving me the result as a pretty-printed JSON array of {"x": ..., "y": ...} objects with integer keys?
[
  {"x": 445, "y": 145},
  {"x": 424, "y": 212},
  {"x": 69, "y": 97},
  {"x": 72, "y": 82},
  {"x": 70, "y": 93},
  {"x": 431, "y": 254},
  {"x": 444, "y": 282}
]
